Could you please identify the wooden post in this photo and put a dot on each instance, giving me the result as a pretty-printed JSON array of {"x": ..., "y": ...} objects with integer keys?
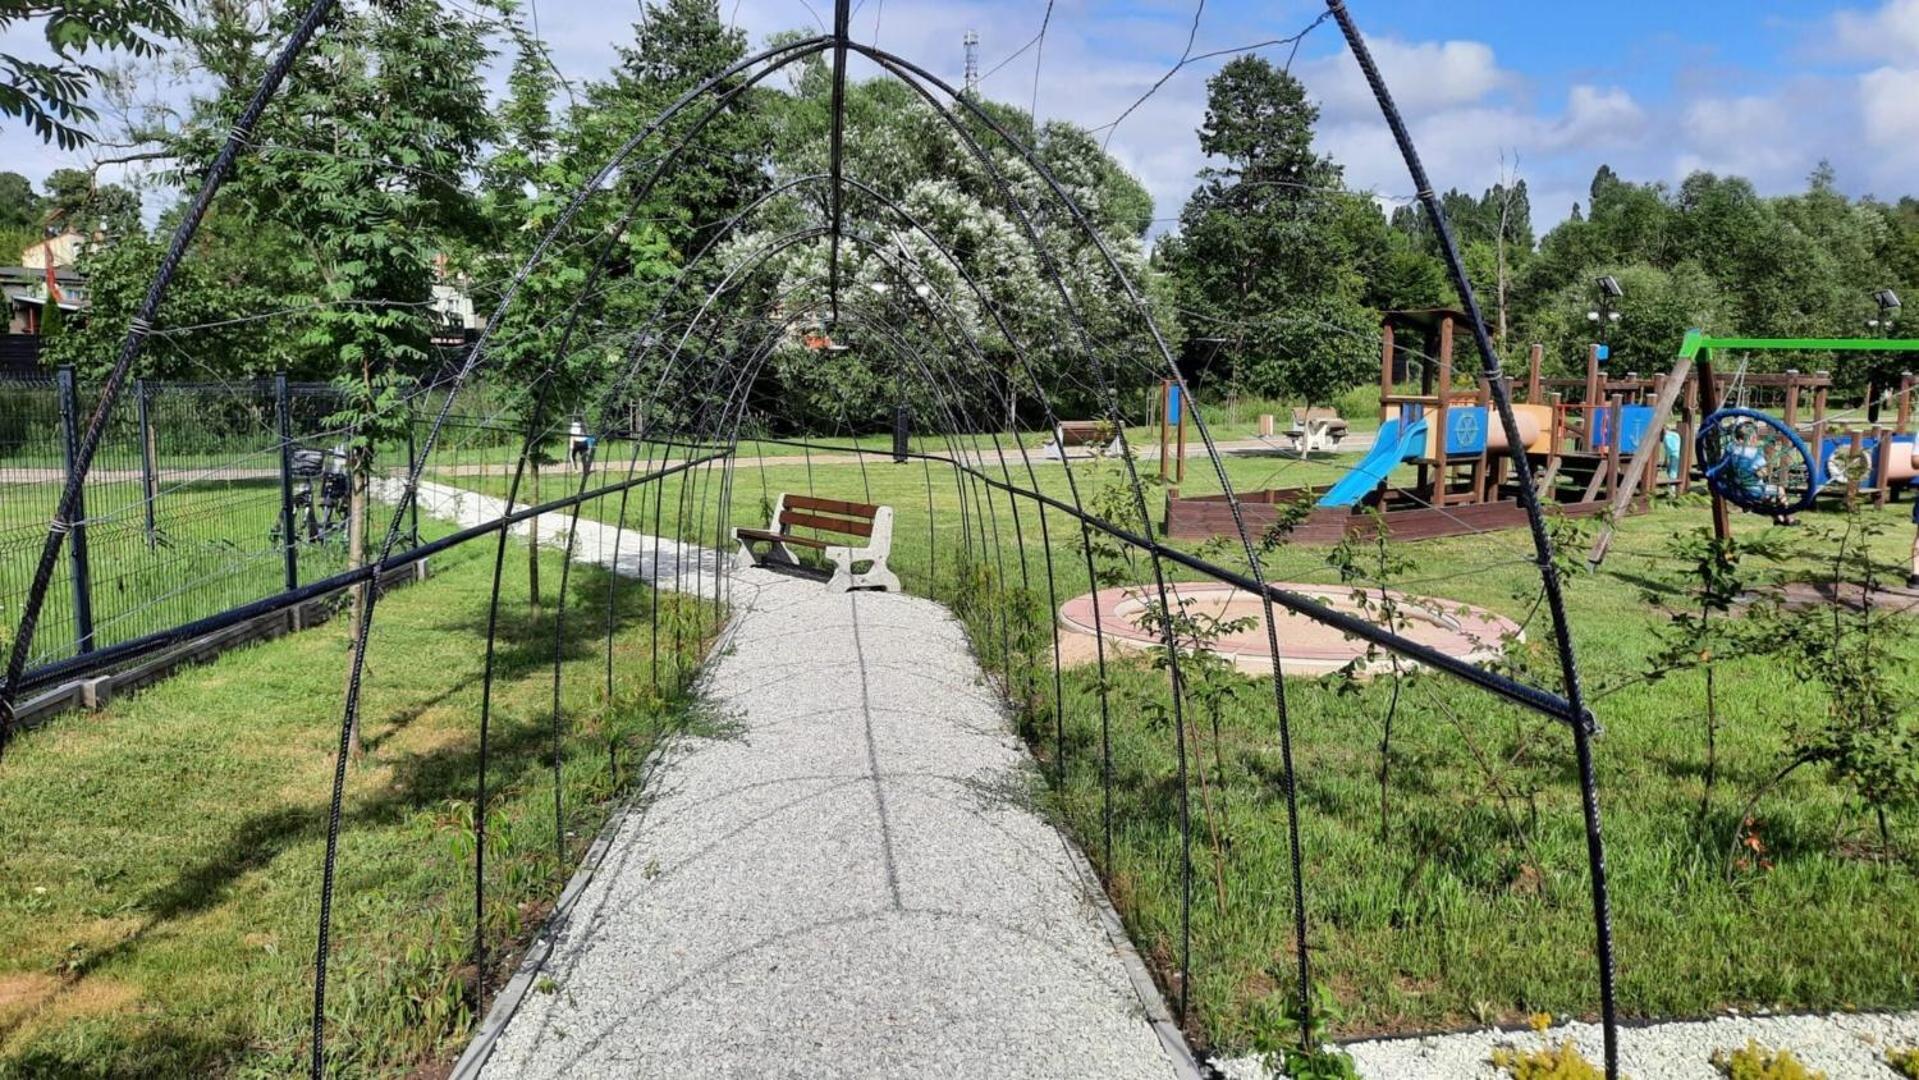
[
  {"x": 1881, "y": 464},
  {"x": 1905, "y": 402},
  {"x": 1819, "y": 398},
  {"x": 1855, "y": 453},
  {"x": 1709, "y": 404},
  {"x": 1165, "y": 418},
  {"x": 1534, "y": 363},
  {"x": 1385, "y": 366},
  {"x": 1594, "y": 394},
  {"x": 1792, "y": 399},
  {"x": 1688, "y": 430},
  {"x": 1179, "y": 454}
]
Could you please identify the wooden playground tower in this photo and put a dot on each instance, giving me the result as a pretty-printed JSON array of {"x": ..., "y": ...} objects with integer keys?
[{"x": 1564, "y": 423}]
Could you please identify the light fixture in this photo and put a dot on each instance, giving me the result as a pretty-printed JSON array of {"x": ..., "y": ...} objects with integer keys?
[
  {"x": 1613, "y": 315},
  {"x": 1609, "y": 286},
  {"x": 1888, "y": 300},
  {"x": 1592, "y": 316}
]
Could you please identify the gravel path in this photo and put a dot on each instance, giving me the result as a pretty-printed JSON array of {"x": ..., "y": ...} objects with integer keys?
[
  {"x": 847, "y": 882},
  {"x": 667, "y": 563}
]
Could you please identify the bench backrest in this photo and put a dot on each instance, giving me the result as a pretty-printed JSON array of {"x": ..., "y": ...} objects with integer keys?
[
  {"x": 1084, "y": 432},
  {"x": 827, "y": 515}
]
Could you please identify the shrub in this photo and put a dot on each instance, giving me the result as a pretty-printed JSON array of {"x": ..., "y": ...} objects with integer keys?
[
  {"x": 1562, "y": 1062},
  {"x": 1904, "y": 1062},
  {"x": 1755, "y": 1062}
]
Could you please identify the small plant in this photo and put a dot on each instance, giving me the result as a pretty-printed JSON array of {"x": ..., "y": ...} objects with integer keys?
[
  {"x": 1562, "y": 1062},
  {"x": 1756, "y": 1062},
  {"x": 1851, "y": 653},
  {"x": 1207, "y": 680},
  {"x": 1702, "y": 633},
  {"x": 1904, "y": 1062},
  {"x": 1312, "y": 1058}
]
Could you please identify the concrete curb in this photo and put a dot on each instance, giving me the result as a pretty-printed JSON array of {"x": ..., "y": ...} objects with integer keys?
[{"x": 1185, "y": 1065}]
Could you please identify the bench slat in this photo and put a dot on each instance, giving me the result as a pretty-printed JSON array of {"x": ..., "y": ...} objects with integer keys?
[
  {"x": 784, "y": 538},
  {"x": 846, "y": 526},
  {"x": 832, "y": 506}
]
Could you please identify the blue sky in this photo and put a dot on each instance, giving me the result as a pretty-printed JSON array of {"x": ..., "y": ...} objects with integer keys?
[{"x": 1544, "y": 91}]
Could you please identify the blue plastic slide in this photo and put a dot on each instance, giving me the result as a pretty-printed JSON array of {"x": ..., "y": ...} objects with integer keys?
[{"x": 1390, "y": 447}]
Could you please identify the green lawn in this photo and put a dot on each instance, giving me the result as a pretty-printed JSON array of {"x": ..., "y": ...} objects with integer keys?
[
  {"x": 176, "y": 834},
  {"x": 160, "y": 860},
  {"x": 1474, "y": 905}
]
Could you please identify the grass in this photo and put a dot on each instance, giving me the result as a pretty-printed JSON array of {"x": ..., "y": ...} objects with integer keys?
[
  {"x": 1471, "y": 906},
  {"x": 1474, "y": 905},
  {"x": 160, "y": 860}
]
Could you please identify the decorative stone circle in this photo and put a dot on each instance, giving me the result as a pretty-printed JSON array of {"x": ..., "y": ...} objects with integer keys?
[{"x": 1306, "y": 647}]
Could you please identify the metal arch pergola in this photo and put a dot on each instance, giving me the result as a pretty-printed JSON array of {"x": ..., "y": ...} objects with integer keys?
[{"x": 710, "y": 433}]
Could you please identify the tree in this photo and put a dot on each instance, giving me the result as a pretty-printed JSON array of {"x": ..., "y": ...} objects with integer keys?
[
  {"x": 50, "y": 97},
  {"x": 369, "y": 144},
  {"x": 76, "y": 202},
  {"x": 1269, "y": 251},
  {"x": 19, "y": 205}
]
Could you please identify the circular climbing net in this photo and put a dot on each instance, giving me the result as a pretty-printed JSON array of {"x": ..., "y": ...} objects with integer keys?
[{"x": 1756, "y": 462}]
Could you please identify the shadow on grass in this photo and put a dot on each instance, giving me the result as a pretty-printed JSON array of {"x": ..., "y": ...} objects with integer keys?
[{"x": 518, "y": 757}]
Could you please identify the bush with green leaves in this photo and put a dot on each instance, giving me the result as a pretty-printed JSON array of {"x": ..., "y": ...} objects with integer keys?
[{"x": 1755, "y": 1062}]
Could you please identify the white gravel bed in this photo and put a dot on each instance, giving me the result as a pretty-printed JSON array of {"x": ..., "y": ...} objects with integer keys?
[{"x": 1845, "y": 1046}]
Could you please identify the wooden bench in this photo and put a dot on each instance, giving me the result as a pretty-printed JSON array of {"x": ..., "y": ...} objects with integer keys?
[
  {"x": 869, "y": 527},
  {"x": 1316, "y": 430},
  {"x": 1096, "y": 438}
]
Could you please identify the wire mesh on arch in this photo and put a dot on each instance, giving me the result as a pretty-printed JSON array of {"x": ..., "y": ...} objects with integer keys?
[{"x": 831, "y": 337}]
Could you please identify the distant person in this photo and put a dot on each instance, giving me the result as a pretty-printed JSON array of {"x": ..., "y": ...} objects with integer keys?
[
  {"x": 581, "y": 448},
  {"x": 1752, "y": 473},
  {"x": 1912, "y": 576}
]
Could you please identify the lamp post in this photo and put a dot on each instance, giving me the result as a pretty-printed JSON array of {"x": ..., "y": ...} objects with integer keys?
[
  {"x": 1603, "y": 316},
  {"x": 1881, "y": 325}
]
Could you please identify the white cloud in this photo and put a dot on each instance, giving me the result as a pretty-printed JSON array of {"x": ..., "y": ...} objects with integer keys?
[
  {"x": 1889, "y": 110},
  {"x": 1424, "y": 77},
  {"x": 1891, "y": 32}
]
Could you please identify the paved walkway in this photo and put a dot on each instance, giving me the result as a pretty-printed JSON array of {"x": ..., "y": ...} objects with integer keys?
[
  {"x": 668, "y": 563},
  {"x": 844, "y": 878}
]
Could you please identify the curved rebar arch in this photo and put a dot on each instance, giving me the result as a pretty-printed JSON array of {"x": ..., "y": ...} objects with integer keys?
[{"x": 711, "y": 435}]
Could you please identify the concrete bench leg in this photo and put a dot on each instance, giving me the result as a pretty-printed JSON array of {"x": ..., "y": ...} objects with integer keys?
[{"x": 878, "y": 546}]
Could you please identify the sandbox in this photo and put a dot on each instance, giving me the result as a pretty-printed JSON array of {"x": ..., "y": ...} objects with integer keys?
[{"x": 1306, "y": 647}]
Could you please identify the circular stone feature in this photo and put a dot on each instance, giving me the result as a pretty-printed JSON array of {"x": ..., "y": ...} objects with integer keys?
[{"x": 1306, "y": 646}]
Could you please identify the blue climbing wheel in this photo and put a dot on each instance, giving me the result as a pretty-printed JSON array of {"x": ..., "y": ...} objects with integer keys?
[{"x": 1757, "y": 463}]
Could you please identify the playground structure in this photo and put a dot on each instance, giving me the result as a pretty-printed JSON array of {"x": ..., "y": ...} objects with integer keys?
[
  {"x": 1675, "y": 430},
  {"x": 1307, "y": 648},
  {"x": 1463, "y": 482},
  {"x": 1780, "y": 463}
]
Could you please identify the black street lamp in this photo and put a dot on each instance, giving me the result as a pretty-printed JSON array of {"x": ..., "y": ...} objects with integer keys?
[
  {"x": 1888, "y": 303},
  {"x": 1603, "y": 316}
]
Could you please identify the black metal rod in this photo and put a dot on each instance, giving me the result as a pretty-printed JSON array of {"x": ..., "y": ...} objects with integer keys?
[
  {"x": 1583, "y": 727},
  {"x": 842, "y": 15},
  {"x": 77, "y": 518},
  {"x": 289, "y": 539},
  {"x": 149, "y": 481},
  {"x": 107, "y": 656}
]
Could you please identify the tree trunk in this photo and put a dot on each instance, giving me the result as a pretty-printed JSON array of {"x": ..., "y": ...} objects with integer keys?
[
  {"x": 533, "y": 538},
  {"x": 355, "y": 558}
]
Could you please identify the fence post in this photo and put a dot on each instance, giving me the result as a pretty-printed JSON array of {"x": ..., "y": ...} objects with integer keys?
[
  {"x": 414, "y": 507},
  {"x": 149, "y": 482},
  {"x": 77, "y": 540},
  {"x": 288, "y": 538}
]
